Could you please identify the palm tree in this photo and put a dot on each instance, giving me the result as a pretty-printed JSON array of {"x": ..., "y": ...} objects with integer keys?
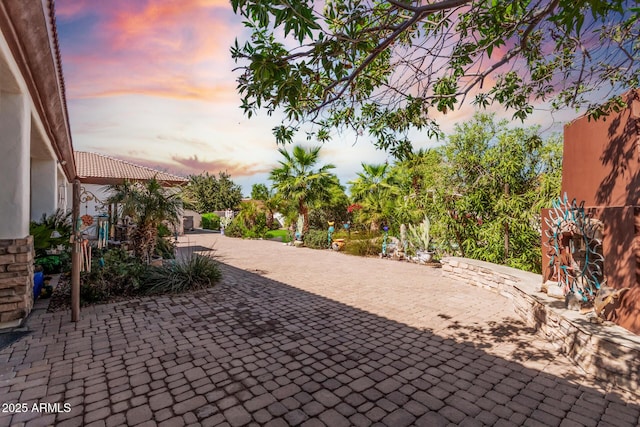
[
  {"x": 148, "y": 205},
  {"x": 297, "y": 179},
  {"x": 374, "y": 189}
]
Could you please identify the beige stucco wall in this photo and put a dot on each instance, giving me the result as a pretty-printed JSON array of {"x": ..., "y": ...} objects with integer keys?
[
  {"x": 44, "y": 188},
  {"x": 15, "y": 136}
]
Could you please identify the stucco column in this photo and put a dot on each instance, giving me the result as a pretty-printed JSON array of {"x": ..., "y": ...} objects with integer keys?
[
  {"x": 44, "y": 188},
  {"x": 15, "y": 140}
]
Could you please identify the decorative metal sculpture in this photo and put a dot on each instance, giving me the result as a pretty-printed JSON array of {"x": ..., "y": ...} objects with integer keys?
[
  {"x": 404, "y": 242},
  {"x": 574, "y": 244},
  {"x": 329, "y": 233},
  {"x": 384, "y": 241}
]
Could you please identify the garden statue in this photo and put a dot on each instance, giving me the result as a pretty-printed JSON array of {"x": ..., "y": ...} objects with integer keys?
[
  {"x": 402, "y": 251},
  {"x": 347, "y": 227},
  {"x": 385, "y": 228},
  {"x": 298, "y": 233}
]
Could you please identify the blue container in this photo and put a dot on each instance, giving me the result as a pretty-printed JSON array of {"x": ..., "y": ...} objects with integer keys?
[{"x": 38, "y": 282}]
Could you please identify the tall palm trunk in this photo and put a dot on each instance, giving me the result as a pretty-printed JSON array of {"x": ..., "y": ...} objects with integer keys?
[
  {"x": 304, "y": 211},
  {"x": 144, "y": 242}
]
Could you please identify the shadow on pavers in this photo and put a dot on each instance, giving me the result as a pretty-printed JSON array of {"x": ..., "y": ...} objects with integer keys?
[{"x": 253, "y": 349}]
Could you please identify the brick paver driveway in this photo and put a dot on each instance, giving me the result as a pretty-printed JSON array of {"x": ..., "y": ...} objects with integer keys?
[{"x": 300, "y": 337}]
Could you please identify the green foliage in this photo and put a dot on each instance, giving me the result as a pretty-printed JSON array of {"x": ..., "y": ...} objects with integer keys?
[
  {"x": 210, "y": 221},
  {"x": 332, "y": 209},
  {"x": 192, "y": 272},
  {"x": 121, "y": 275},
  {"x": 418, "y": 235},
  {"x": 283, "y": 235},
  {"x": 316, "y": 239},
  {"x": 165, "y": 248},
  {"x": 260, "y": 192},
  {"x": 364, "y": 247},
  {"x": 42, "y": 230},
  {"x": 206, "y": 193},
  {"x": 250, "y": 223},
  {"x": 53, "y": 264},
  {"x": 149, "y": 205},
  {"x": 376, "y": 191},
  {"x": 461, "y": 186},
  {"x": 235, "y": 228},
  {"x": 383, "y": 67},
  {"x": 498, "y": 179},
  {"x": 298, "y": 180}
]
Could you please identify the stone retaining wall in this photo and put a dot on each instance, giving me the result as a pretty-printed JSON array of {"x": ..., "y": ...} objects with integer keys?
[
  {"x": 16, "y": 280},
  {"x": 606, "y": 351}
]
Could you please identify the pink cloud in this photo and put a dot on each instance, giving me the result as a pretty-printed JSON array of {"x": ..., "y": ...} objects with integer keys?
[
  {"x": 185, "y": 166},
  {"x": 162, "y": 48},
  {"x": 71, "y": 9},
  {"x": 169, "y": 89},
  {"x": 196, "y": 166}
]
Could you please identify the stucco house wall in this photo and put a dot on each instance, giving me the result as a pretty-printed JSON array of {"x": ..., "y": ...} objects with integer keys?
[
  {"x": 36, "y": 164},
  {"x": 601, "y": 168}
]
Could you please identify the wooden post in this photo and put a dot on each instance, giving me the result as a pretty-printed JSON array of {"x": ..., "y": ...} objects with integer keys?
[{"x": 76, "y": 254}]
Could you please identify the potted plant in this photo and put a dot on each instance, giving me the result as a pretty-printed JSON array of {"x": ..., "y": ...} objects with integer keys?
[{"x": 419, "y": 239}]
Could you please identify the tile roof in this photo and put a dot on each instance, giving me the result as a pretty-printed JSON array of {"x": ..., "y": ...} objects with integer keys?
[{"x": 94, "y": 168}]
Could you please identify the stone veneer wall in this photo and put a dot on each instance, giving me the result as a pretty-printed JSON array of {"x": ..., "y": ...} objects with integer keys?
[
  {"x": 606, "y": 351},
  {"x": 16, "y": 280}
]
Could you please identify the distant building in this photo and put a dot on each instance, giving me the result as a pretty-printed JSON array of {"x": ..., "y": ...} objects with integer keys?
[{"x": 97, "y": 171}]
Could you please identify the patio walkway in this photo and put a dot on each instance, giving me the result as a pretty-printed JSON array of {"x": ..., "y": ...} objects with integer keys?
[{"x": 299, "y": 337}]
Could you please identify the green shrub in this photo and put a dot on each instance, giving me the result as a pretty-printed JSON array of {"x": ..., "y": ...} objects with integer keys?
[
  {"x": 210, "y": 221},
  {"x": 42, "y": 231},
  {"x": 165, "y": 248},
  {"x": 191, "y": 273},
  {"x": 239, "y": 228},
  {"x": 260, "y": 227},
  {"x": 53, "y": 264},
  {"x": 364, "y": 247},
  {"x": 316, "y": 239},
  {"x": 120, "y": 275},
  {"x": 235, "y": 228}
]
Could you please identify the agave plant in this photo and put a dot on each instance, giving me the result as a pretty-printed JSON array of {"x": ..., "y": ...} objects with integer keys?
[{"x": 419, "y": 237}]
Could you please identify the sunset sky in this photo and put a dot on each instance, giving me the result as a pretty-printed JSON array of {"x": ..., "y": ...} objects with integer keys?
[{"x": 151, "y": 82}]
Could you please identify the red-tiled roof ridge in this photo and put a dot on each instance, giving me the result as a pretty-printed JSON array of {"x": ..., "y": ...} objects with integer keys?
[{"x": 97, "y": 168}]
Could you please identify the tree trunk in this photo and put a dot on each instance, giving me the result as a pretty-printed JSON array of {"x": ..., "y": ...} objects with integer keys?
[
  {"x": 144, "y": 242},
  {"x": 269, "y": 219},
  {"x": 304, "y": 211},
  {"x": 506, "y": 228}
]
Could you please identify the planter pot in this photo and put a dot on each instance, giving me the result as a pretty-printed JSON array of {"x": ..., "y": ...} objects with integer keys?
[{"x": 424, "y": 256}]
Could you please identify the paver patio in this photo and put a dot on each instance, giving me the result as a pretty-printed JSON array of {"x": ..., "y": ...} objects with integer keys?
[{"x": 293, "y": 336}]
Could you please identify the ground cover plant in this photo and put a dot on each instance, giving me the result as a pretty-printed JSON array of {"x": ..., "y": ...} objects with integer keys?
[
  {"x": 283, "y": 235},
  {"x": 115, "y": 275},
  {"x": 192, "y": 272}
]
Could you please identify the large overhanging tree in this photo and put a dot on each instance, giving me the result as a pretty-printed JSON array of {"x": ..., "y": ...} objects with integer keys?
[{"x": 383, "y": 67}]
